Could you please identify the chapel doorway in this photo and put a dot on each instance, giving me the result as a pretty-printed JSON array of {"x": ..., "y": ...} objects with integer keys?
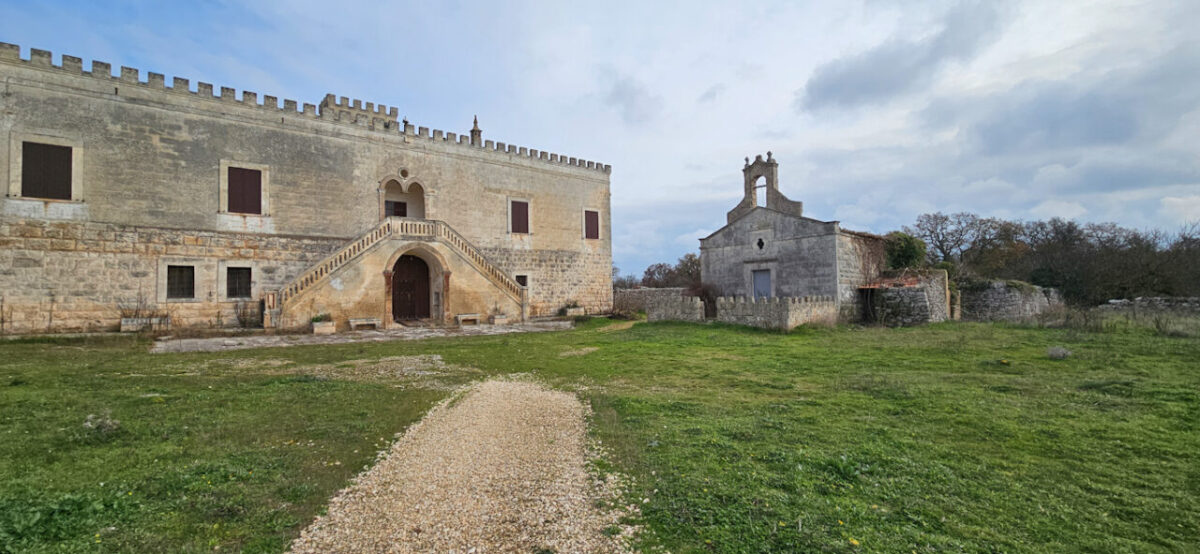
[{"x": 410, "y": 288}]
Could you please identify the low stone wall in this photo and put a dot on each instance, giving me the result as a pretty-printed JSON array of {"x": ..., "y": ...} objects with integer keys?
[
  {"x": 926, "y": 302},
  {"x": 777, "y": 313},
  {"x": 1007, "y": 301},
  {"x": 675, "y": 308},
  {"x": 638, "y": 300},
  {"x": 1190, "y": 304}
]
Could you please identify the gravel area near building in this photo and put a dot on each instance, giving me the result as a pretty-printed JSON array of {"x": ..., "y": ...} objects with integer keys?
[
  {"x": 221, "y": 344},
  {"x": 500, "y": 469}
]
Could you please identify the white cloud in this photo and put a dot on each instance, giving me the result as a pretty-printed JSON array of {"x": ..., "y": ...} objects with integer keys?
[
  {"x": 1181, "y": 209},
  {"x": 1058, "y": 208}
]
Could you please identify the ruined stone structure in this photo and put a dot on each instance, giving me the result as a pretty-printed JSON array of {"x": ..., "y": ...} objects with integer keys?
[
  {"x": 913, "y": 297},
  {"x": 125, "y": 192},
  {"x": 768, "y": 249},
  {"x": 1007, "y": 301}
]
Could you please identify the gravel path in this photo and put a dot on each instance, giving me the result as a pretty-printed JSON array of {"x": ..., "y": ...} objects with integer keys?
[
  {"x": 500, "y": 470},
  {"x": 221, "y": 344}
]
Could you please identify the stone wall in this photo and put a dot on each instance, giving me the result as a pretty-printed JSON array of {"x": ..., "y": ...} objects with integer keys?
[
  {"x": 149, "y": 155},
  {"x": 860, "y": 260},
  {"x": 638, "y": 300},
  {"x": 61, "y": 276},
  {"x": 675, "y": 308},
  {"x": 1006, "y": 301},
  {"x": 778, "y": 313},
  {"x": 1187, "y": 304}
]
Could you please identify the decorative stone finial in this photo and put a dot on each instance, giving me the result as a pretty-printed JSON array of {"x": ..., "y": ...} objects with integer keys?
[
  {"x": 476, "y": 133},
  {"x": 769, "y": 158},
  {"x": 747, "y": 160}
]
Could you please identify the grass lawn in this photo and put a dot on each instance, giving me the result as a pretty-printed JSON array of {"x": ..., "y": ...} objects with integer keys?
[{"x": 952, "y": 437}]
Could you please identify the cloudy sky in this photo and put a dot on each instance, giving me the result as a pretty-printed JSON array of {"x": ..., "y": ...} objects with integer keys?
[{"x": 877, "y": 110}]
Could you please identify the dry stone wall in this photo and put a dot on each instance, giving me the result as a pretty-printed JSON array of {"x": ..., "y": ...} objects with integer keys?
[
  {"x": 1186, "y": 304},
  {"x": 926, "y": 302},
  {"x": 638, "y": 300},
  {"x": 1006, "y": 301},
  {"x": 777, "y": 313},
  {"x": 682, "y": 308}
]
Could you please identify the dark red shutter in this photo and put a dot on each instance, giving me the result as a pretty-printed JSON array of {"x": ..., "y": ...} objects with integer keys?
[
  {"x": 245, "y": 191},
  {"x": 520, "y": 216},
  {"x": 45, "y": 171},
  {"x": 591, "y": 224}
]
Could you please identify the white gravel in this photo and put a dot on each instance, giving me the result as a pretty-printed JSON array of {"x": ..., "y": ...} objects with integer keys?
[{"x": 502, "y": 469}]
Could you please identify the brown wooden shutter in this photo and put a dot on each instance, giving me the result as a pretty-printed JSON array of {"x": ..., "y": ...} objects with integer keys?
[
  {"x": 245, "y": 191},
  {"x": 45, "y": 171},
  {"x": 520, "y": 216},
  {"x": 591, "y": 224}
]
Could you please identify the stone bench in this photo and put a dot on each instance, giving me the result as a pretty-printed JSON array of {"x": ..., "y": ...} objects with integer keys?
[
  {"x": 356, "y": 322},
  {"x": 463, "y": 318}
]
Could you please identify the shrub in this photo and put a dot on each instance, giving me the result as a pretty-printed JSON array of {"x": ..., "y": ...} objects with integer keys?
[
  {"x": 904, "y": 250},
  {"x": 321, "y": 317}
]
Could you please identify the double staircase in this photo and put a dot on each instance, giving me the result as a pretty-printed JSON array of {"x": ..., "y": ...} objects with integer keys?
[{"x": 421, "y": 229}]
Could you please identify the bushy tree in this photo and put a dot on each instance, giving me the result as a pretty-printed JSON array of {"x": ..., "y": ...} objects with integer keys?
[
  {"x": 904, "y": 250},
  {"x": 685, "y": 273}
]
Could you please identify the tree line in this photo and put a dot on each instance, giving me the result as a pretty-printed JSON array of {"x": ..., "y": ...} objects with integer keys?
[{"x": 1090, "y": 263}]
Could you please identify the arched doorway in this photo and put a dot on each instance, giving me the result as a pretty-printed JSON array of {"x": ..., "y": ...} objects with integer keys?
[
  {"x": 401, "y": 200},
  {"x": 410, "y": 288}
]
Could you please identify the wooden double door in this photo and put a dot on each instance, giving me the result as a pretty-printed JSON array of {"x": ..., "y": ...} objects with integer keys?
[{"x": 410, "y": 288}]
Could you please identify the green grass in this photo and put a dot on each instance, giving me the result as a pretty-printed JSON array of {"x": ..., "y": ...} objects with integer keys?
[{"x": 951, "y": 437}]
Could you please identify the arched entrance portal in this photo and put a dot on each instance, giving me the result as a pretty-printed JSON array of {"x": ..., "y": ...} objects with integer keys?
[{"x": 410, "y": 288}]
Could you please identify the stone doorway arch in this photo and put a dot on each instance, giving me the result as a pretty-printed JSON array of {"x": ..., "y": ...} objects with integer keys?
[{"x": 417, "y": 282}]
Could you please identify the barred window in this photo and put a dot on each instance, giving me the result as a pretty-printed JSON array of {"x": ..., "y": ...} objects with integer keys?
[
  {"x": 181, "y": 281},
  {"x": 237, "y": 282}
]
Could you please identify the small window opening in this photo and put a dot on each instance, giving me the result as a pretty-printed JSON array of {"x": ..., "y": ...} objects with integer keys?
[
  {"x": 591, "y": 224},
  {"x": 523, "y": 280},
  {"x": 520, "y": 217},
  {"x": 181, "y": 281},
  {"x": 761, "y": 244},
  {"x": 396, "y": 209},
  {"x": 45, "y": 171},
  {"x": 237, "y": 282}
]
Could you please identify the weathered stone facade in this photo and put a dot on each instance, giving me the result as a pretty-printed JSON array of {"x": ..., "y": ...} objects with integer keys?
[
  {"x": 149, "y": 189},
  {"x": 800, "y": 256},
  {"x": 1006, "y": 301}
]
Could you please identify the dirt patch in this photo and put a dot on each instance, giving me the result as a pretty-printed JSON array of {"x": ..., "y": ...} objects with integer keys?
[
  {"x": 502, "y": 469},
  {"x": 618, "y": 326},
  {"x": 578, "y": 352}
]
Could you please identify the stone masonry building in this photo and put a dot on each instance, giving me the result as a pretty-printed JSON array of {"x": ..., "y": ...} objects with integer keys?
[
  {"x": 122, "y": 192},
  {"x": 768, "y": 249}
]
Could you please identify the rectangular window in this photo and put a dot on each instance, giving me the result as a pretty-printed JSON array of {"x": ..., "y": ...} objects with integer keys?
[
  {"x": 396, "y": 209},
  {"x": 523, "y": 280},
  {"x": 591, "y": 224},
  {"x": 45, "y": 171},
  {"x": 181, "y": 281},
  {"x": 237, "y": 282},
  {"x": 245, "y": 191},
  {"x": 520, "y": 217}
]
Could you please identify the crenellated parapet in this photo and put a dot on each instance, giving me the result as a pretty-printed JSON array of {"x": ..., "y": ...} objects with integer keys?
[{"x": 332, "y": 109}]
